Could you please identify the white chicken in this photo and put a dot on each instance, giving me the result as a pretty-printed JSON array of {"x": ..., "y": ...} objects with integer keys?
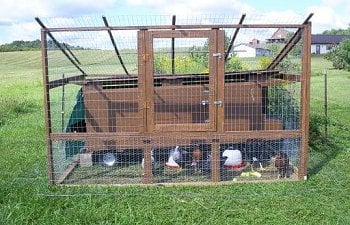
[{"x": 173, "y": 157}]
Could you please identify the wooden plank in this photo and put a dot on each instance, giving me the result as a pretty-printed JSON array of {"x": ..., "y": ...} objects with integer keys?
[
  {"x": 59, "y": 45},
  {"x": 176, "y": 27},
  {"x": 47, "y": 107},
  {"x": 305, "y": 101},
  {"x": 289, "y": 77},
  {"x": 173, "y": 22},
  {"x": 149, "y": 85},
  {"x": 66, "y": 172},
  {"x": 273, "y": 124},
  {"x": 115, "y": 45},
  {"x": 237, "y": 124},
  {"x": 148, "y": 164},
  {"x": 66, "y": 80},
  {"x": 180, "y": 34},
  {"x": 137, "y": 138},
  {"x": 141, "y": 79},
  {"x": 212, "y": 81},
  {"x": 234, "y": 36},
  {"x": 289, "y": 46},
  {"x": 220, "y": 81},
  {"x": 215, "y": 162},
  {"x": 159, "y": 78},
  {"x": 242, "y": 93},
  {"x": 183, "y": 127}
]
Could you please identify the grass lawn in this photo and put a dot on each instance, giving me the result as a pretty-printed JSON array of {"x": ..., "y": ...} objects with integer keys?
[{"x": 26, "y": 197}]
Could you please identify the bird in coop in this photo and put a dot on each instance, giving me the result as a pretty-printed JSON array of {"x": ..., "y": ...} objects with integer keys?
[
  {"x": 197, "y": 155},
  {"x": 282, "y": 164},
  {"x": 152, "y": 160},
  {"x": 174, "y": 156}
]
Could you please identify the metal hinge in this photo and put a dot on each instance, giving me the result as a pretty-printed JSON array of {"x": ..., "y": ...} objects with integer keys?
[
  {"x": 218, "y": 54},
  {"x": 220, "y": 103}
]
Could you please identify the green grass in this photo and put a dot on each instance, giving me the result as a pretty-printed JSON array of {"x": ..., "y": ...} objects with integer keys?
[{"x": 26, "y": 197}]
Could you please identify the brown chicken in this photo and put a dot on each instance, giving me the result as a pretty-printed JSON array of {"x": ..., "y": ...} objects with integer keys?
[
  {"x": 282, "y": 164},
  {"x": 196, "y": 156}
]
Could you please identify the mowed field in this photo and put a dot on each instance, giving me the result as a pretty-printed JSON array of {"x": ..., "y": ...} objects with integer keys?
[{"x": 26, "y": 197}]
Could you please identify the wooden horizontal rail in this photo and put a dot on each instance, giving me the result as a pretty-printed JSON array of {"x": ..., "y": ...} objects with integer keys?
[
  {"x": 64, "y": 81},
  {"x": 166, "y": 136},
  {"x": 122, "y": 77},
  {"x": 176, "y": 27}
]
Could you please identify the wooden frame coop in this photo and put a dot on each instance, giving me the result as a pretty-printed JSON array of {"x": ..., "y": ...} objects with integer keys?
[{"x": 172, "y": 103}]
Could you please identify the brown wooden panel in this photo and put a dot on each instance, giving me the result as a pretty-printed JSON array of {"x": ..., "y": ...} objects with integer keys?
[
  {"x": 273, "y": 124},
  {"x": 237, "y": 125},
  {"x": 242, "y": 93},
  {"x": 193, "y": 94},
  {"x": 179, "y": 127}
]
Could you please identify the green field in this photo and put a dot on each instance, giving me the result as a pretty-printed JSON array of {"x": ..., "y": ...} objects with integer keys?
[{"x": 26, "y": 197}]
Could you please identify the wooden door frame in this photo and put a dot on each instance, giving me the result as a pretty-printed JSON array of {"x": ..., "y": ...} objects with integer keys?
[{"x": 146, "y": 83}]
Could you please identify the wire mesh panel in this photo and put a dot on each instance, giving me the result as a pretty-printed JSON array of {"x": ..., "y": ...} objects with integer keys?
[
  {"x": 183, "y": 98},
  {"x": 143, "y": 101}
]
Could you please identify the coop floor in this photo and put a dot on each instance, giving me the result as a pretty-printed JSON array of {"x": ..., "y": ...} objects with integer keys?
[{"x": 134, "y": 174}]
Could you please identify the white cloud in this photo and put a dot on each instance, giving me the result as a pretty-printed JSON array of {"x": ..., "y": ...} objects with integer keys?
[
  {"x": 17, "y": 16},
  {"x": 326, "y": 18},
  {"x": 194, "y": 6},
  {"x": 20, "y": 10}
]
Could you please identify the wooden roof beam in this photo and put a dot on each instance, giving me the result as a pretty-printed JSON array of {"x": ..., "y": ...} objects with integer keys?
[
  {"x": 61, "y": 47},
  {"x": 288, "y": 47},
  {"x": 234, "y": 37},
  {"x": 114, "y": 45}
]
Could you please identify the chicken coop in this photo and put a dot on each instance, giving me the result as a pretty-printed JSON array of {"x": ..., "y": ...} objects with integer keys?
[{"x": 176, "y": 99}]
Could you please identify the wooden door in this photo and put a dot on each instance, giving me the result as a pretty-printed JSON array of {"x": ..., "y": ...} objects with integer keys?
[{"x": 183, "y": 71}]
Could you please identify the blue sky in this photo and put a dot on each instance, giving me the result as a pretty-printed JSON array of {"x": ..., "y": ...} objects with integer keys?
[{"x": 17, "y": 16}]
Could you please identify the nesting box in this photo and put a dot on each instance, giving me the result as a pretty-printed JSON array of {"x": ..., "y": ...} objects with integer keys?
[{"x": 158, "y": 103}]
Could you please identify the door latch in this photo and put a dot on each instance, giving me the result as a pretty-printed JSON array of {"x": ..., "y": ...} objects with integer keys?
[{"x": 220, "y": 103}]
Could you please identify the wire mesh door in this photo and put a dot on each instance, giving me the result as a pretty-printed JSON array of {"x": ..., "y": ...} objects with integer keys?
[{"x": 183, "y": 75}]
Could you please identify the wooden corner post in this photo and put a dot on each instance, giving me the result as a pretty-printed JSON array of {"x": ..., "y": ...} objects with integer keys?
[
  {"x": 45, "y": 70},
  {"x": 305, "y": 100}
]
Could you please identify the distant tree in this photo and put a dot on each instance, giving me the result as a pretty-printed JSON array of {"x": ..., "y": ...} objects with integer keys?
[
  {"x": 338, "y": 31},
  {"x": 20, "y": 46},
  {"x": 340, "y": 55},
  {"x": 33, "y": 45}
]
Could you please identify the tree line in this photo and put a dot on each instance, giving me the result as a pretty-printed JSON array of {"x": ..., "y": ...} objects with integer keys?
[
  {"x": 33, "y": 46},
  {"x": 338, "y": 31},
  {"x": 339, "y": 55}
]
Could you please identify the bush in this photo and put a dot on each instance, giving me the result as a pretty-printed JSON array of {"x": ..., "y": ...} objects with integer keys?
[
  {"x": 183, "y": 64},
  {"x": 264, "y": 62},
  {"x": 340, "y": 56},
  {"x": 234, "y": 64}
]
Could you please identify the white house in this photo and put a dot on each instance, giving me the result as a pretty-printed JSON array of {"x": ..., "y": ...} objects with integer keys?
[
  {"x": 322, "y": 43},
  {"x": 249, "y": 50}
]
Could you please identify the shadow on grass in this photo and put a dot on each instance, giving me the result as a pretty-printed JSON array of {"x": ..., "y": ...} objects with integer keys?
[
  {"x": 324, "y": 154},
  {"x": 322, "y": 150}
]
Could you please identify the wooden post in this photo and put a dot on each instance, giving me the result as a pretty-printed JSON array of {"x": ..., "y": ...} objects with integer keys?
[
  {"x": 141, "y": 79},
  {"x": 149, "y": 85},
  {"x": 215, "y": 161},
  {"x": 173, "y": 48},
  {"x": 45, "y": 70},
  {"x": 220, "y": 81},
  {"x": 305, "y": 100},
  {"x": 326, "y": 106},
  {"x": 147, "y": 155}
]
